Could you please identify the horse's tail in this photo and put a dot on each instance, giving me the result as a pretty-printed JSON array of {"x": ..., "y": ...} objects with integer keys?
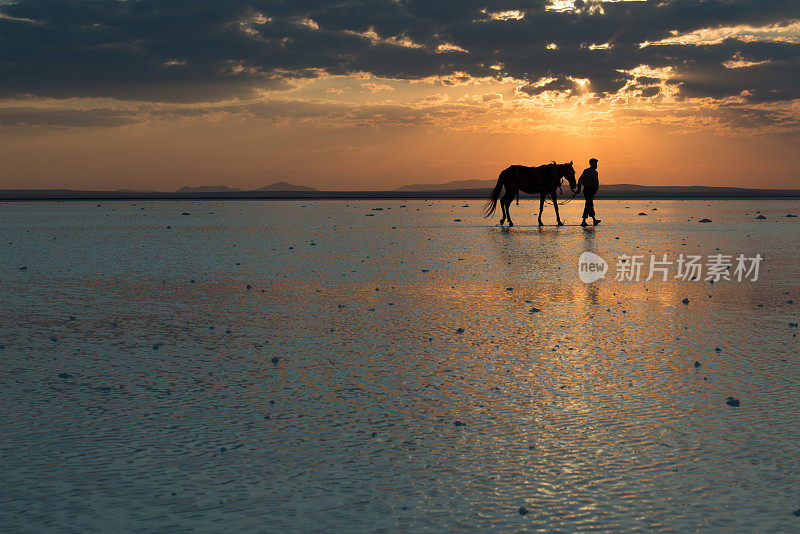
[{"x": 491, "y": 204}]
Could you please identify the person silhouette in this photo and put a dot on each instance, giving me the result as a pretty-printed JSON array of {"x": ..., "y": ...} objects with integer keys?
[{"x": 591, "y": 183}]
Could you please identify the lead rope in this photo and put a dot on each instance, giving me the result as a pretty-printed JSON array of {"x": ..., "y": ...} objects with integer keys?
[{"x": 560, "y": 189}]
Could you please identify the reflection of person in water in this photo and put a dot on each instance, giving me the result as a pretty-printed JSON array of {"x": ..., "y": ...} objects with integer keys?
[{"x": 591, "y": 183}]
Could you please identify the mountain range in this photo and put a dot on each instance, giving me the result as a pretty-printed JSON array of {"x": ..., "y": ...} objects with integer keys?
[{"x": 277, "y": 186}]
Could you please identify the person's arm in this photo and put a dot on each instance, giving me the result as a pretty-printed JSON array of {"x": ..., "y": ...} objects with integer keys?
[{"x": 580, "y": 182}]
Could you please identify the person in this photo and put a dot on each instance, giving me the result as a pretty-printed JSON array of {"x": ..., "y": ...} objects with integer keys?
[{"x": 590, "y": 183}]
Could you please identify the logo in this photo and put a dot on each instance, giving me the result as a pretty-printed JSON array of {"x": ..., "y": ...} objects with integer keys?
[
  {"x": 591, "y": 267},
  {"x": 686, "y": 267}
]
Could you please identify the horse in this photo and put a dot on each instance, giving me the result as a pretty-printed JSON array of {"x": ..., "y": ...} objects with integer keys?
[{"x": 544, "y": 180}]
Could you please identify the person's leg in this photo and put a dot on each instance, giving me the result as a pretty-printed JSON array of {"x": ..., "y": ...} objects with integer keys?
[
  {"x": 591, "y": 209},
  {"x": 586, "y": 205}
]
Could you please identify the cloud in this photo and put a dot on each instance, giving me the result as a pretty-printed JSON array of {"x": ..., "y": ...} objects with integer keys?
[
  {"x": 66, "y": 118},
  {"x": 208, "y": 51}
]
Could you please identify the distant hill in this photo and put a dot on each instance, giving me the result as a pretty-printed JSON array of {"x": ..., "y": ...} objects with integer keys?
[
  {"x": 207, "y": 189},
  {"x": 477, "y": 187},
  {"x": 285, "y": 186},
  {"x": 450, "y": 186}
]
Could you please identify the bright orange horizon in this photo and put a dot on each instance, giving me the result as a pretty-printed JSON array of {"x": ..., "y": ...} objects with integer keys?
[{"x": 673, "y": 101}]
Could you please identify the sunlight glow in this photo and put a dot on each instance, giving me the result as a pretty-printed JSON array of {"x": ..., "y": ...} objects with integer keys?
[
  {"x": 594, "y": 7},
  {"x": 738, "y": 62},
  {"x": 449, "y": 47},
  {"x": 514, "y": 14},
  {"x": 776, "y": 33},
  {"x": 308, "y": 23},
  {"x": 402, "y": 41},
  {"x": 3, "y": 16}
]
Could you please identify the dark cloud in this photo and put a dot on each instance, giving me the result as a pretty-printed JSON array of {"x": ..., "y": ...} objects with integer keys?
[
  {"x": 204, "y": 50},
  {"x": 65, "y": 118}
]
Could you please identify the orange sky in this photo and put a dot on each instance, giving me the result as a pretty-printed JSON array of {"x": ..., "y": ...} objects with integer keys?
[{"x": 713, "y": 121}]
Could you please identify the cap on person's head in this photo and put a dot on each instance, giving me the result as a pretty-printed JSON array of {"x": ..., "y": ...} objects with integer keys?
[{"x": 593, "y": 160}]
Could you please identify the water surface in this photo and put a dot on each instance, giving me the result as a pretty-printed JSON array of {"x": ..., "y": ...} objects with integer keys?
[{"x": 318, "y": 366}]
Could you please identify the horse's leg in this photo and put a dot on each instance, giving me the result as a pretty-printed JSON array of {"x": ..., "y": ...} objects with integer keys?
[
  {"x": 505, "y": 202},
  {"x": 502, "y": 210},
  {"x": 541, "y": 207},
  {"x": 555, "y": 203}
]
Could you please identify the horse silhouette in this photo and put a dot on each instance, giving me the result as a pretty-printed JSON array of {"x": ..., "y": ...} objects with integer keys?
[{"x": 544, "y": 180}]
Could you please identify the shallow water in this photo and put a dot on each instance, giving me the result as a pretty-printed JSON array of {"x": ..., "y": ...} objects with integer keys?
[{"x": 176, "y": 415}]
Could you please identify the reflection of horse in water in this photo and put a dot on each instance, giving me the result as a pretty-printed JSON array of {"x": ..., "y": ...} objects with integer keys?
[{"x": 545, "y": 180}]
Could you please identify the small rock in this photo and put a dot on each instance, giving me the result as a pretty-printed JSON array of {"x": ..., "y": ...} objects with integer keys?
[
  {"x": 456, "y": 220},
  {"x": 697, "y": 365},
  {"x": 792, "y": 325},
  {"x": 791, "y": 215},
  {"x": 23, "y": 268},
  {"x": 460, "y": 331},
  {"x": 65, "y": 375},
  {"x": 717, "y": 349},
  {"x": 509, "y": 289},
  {"x": 53, "y": 339},
  {"x": 249, "y": 287},
  {"x": 732, "y": 401},
  {"x": 458, "y": 423},
  {"x": 275, "y": 360},
  {"x": 705, "y": 220},
  {"x": 685, "y": 301},
  {"x": 642, "y": 213},
  {"x": 185, "y": 213},
  {"x": 523, "y": 511},
  {"x": 760, "y": 217},
  {"x": 71, "y": 317},
  {"x": 535, "y": 310},
  {"x": 796, "y": 513}
]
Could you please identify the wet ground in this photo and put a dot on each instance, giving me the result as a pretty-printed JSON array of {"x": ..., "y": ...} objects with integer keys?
[{"x": 392, "y": 366}]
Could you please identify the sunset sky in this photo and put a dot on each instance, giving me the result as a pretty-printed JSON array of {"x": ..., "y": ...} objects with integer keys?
[{"x": 374, "y": 94}]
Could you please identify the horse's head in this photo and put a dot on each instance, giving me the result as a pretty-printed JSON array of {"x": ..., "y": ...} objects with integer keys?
[{"x": 568, "y": 172}]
